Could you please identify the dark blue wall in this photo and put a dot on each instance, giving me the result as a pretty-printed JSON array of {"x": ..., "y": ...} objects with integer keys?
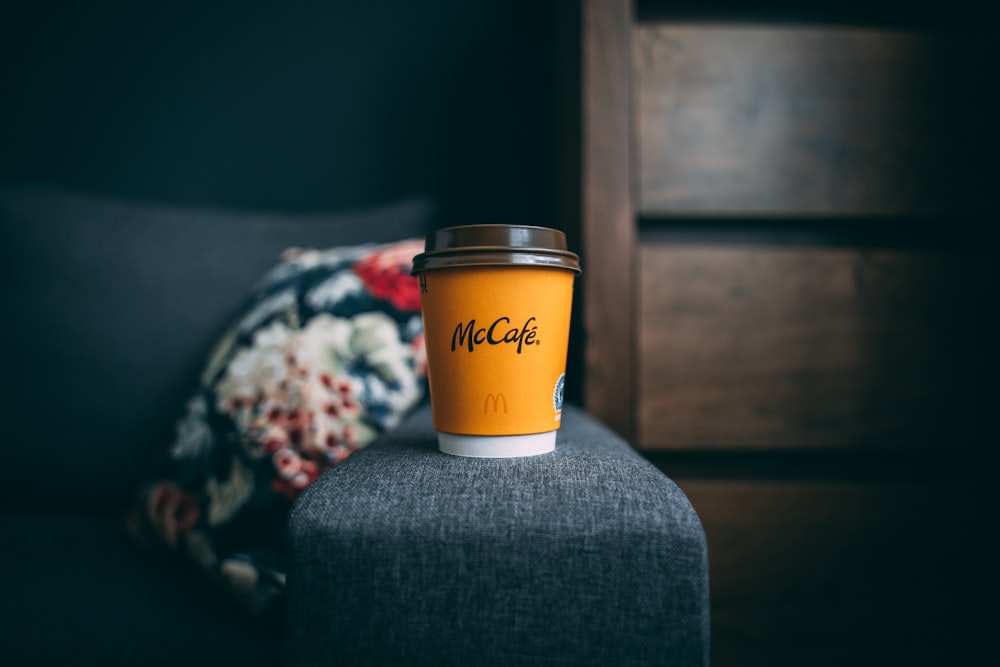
[{"x": 287, "y": 105}]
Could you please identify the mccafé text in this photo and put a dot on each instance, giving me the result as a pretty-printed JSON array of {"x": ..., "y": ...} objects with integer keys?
[{"x": 497, "y": 333}]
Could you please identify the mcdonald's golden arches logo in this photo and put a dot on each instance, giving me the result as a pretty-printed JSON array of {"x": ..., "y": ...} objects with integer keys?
[{"x": 496, "y": 400}]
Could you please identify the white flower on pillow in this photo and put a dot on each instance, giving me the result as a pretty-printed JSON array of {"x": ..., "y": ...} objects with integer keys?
[
  {"x": 320, "y": 392},
  {"x": 258, "y": 372},
  {"x": 394, "y": 388},
  {"x": 380, "y": 366}
]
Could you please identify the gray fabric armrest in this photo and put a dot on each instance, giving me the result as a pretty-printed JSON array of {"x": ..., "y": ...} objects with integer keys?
[{"x": 587, "y": 555}]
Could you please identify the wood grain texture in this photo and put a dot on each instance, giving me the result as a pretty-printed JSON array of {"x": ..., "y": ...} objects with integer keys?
[
  {"x": 782, "y": 347},
  {"x": 790, "y": 120},
  {"x": 608, "y": 226},
  {"x": 846, "y": 573}
]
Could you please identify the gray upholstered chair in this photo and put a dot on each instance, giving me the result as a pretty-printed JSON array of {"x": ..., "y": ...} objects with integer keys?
[
  {"x": 587, "y": 555},
  {"x": 400, "y": 555}
]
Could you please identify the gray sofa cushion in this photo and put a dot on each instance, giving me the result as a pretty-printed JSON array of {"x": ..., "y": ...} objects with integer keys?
[
  {"x": 110, "y": 308},
  {"x": 76, "y": 592},
  {"x": 587, "y": 555}
]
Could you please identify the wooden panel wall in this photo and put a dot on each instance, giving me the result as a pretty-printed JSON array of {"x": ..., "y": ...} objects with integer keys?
[
  {"x": 833, "y": 573},
  {"x": 608, "y": 225},
  {"x": 789, "y": 120},
  {"x": 820, "y": 395},
  {"x": 776, "y": 347}
]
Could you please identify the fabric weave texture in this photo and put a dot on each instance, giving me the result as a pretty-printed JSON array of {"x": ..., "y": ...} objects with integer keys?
[{"x": 588, "y": 555}]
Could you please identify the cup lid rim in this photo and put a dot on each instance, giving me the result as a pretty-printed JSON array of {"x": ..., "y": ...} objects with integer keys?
[{"x": 495, "y": 245}]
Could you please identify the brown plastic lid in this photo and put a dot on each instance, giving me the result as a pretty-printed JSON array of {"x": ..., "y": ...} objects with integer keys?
[{"x": 495, "y": 245}]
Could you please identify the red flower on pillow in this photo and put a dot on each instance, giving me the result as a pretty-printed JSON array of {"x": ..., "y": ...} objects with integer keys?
[
  {"x": 386, "y": 274},
  {"x": 172, "y": 512}
]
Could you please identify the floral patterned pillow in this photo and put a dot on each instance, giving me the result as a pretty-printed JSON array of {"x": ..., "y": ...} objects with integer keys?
[{"x": 328, "y": 353}]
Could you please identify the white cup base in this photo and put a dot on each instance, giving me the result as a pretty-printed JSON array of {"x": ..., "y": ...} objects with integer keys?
[{"x": 497, "y": 446}]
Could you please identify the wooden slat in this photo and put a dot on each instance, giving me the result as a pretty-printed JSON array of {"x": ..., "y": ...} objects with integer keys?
[
  {"x": 790, "y": 120},
  {"x": 608, "y": 228},
  {"x": 842, "y": 573},
  {"x": 778, "y": 347}
]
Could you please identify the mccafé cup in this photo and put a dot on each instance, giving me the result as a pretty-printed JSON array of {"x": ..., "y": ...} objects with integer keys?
[{"x": 496, "y": 303}]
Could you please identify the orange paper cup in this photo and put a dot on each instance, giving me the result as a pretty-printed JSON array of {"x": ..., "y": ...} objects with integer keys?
[{"x": 496, "y": 302}]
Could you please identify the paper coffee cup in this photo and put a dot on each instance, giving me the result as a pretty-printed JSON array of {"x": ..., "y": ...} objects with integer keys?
[{"x": 496, "y": 302}]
